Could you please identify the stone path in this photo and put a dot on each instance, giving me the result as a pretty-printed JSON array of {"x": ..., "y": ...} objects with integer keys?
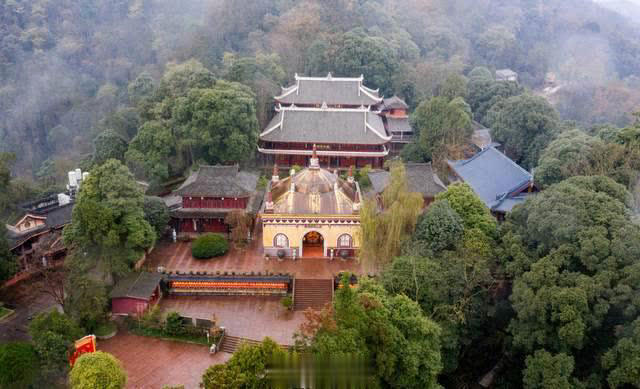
[
  {"x": 177, "y": 256},
  {"x": 251, "y": 317}
]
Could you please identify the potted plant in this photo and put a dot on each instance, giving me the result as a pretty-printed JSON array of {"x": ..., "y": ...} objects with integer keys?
[
  {"x": 287, "y": 303},
  {"x": 281, "y": 254}
]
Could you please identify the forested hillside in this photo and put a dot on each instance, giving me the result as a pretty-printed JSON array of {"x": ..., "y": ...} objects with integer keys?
[{"x": 66, "y": 67}]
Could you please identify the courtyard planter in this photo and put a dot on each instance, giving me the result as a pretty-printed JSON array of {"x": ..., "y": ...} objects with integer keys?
[{"x": 209, "y": 246}]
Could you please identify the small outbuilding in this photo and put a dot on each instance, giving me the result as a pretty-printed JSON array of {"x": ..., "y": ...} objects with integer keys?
[
  {"x": 420, "y": 179},
  {"x": 136, "y": 293}
]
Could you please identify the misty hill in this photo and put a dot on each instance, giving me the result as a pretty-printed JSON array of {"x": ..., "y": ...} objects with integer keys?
[
  {"x": 628, "y": 8},
  {"x": 68, "y": 68}
]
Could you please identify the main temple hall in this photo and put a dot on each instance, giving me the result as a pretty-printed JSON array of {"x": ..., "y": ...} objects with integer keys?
[{"x": 350, "y": 124}]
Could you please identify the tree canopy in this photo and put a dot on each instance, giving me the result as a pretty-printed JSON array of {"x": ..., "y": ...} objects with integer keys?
[
  {"x": 97, "y": 370},
  {"x": 387, "y": 225},
  {"x": 571, "y": 250},
  {"x": 525, "y": 125},
  {"x": 108, "y": 225},
  {"x": 391, "y": 331},
  {"x": 53, "y": 336},
  {"x": 19, "y": 365}
]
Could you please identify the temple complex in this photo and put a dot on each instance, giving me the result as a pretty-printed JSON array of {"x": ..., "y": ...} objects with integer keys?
[
  {"x": 350, "y": 124},
  {"x": 209, "y": 194},
  {"x": 313, "y": 213}
]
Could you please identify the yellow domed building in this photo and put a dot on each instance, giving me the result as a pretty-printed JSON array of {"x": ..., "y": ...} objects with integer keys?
[{"x": 312, "y": 214}]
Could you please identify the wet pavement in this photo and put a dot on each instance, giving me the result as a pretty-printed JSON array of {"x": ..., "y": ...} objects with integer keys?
[
  {"x": 177, "y": 256},
  {"x": 152, "y": 363},
  {"x": 251, "y": 317},
  {"x": 28, "y": 301}
]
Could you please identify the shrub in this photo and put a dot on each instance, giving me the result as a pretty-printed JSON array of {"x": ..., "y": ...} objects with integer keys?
[
  {"x": 97, "y": 370},
  {"x": 287, "y": 302},
  {"x": 18, "y": 365},
  {"x": 173, "y": 324},
  {"x": 209, "y": 245}
]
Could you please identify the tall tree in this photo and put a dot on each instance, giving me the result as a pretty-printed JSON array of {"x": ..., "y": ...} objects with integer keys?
[
  {"x": 108, "y": 145},
  {"x": 156, "y": 214},
  {"x": 108, "y": 225},
  {"x": 571, "y": 250},
  {"x": 150, "y": 152},
  {"x": 402, "y": 344},
  {"x": 53, "y": 336},
  {"x": 8, "y": 265},
  {"x": 220, "y": 122},
  {"x": 575, "y": 153},
  {"x": 443, "y": 126},
  {"x": 525, "y": 125},
  {"x": 474, "y": 213},
  {"x": 386, "y": 226},
  {"x": 370, "y": 56}
]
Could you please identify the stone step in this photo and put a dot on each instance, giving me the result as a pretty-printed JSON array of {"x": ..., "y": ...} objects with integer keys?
[
  {"x": 312, "y": 293},
  {"x": 231, "y": 343}
]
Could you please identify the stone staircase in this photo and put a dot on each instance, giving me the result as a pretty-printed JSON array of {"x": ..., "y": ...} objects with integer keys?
[
  {"x": 231, "y": 343},
  {"x": 312, "y": 293}
]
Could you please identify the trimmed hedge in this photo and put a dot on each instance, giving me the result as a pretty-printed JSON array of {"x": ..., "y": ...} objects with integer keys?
[{"x": 208, "y": 246}]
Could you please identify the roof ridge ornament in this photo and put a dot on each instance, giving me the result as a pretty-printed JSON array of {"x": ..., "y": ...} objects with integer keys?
[
  {"x": 314, "y": 162},
  {"x": 324, "y": 105},
  {"x": 329, "y": 76}
]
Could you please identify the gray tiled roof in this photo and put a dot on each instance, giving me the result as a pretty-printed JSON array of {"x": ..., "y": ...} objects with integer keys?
[
  {"x": 332, "y": 92},
  {"x": 420, "y": 178},
  {"x": 137, "y": 285},
  {"x": 398, "y": 124},
  {"x": 219, "y": 181},
  {"x": 56, "y": 217},
  {"x": 326, "y": 126},
  {"x": 394, "y": 102},
  {"x": 59, "y": 216},
  {"x": 493, "y": 176}
]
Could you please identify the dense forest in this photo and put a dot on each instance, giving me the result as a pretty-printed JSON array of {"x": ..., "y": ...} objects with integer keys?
[
  {"x": 547, "y": 298},
  {"x": 69, "y": 69}
]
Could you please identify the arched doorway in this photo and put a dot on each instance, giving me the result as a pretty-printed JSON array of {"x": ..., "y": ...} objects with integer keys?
[{"x": 313, "y": 244}]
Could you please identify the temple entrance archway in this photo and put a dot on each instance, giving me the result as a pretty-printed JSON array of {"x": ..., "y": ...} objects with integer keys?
[{"x": 313, "y": 245}]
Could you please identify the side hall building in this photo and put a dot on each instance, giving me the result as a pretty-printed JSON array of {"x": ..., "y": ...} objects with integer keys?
[
  {"x": 350, "y": 124},
  {"x": 208, "y": 196}
]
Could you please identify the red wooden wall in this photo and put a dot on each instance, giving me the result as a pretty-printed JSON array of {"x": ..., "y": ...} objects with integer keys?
[{"x": 214, "y": 202}]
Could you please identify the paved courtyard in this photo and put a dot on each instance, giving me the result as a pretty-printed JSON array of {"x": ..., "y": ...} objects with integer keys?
[
  {"x": 153, "y": 363},
  {"x": 251, "y": 317},
  {"x": 177, "y": 256},
  {"x": 28, "y": 302}
]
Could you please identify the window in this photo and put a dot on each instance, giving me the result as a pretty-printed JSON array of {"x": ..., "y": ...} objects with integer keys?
[
  {"x": 281, "y": 240},
  {"x": 345, "y": 240}
]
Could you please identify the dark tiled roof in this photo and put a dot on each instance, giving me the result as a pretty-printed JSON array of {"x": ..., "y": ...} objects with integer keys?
[
  {"x": 59, "y": 216},
  {"x": 219, "y": 181},
  {"x": 398, "y": 124},
  {"x": 326, "y": 126},
  {"x": 394, "y": 102},
  {"x": 331, "y": 91},
  {"x": 56, "y": 217},
  {"x": 137, "y": 285},
  {"x": 420, "y": 179},
  {"x": 493, "y": 176}
]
